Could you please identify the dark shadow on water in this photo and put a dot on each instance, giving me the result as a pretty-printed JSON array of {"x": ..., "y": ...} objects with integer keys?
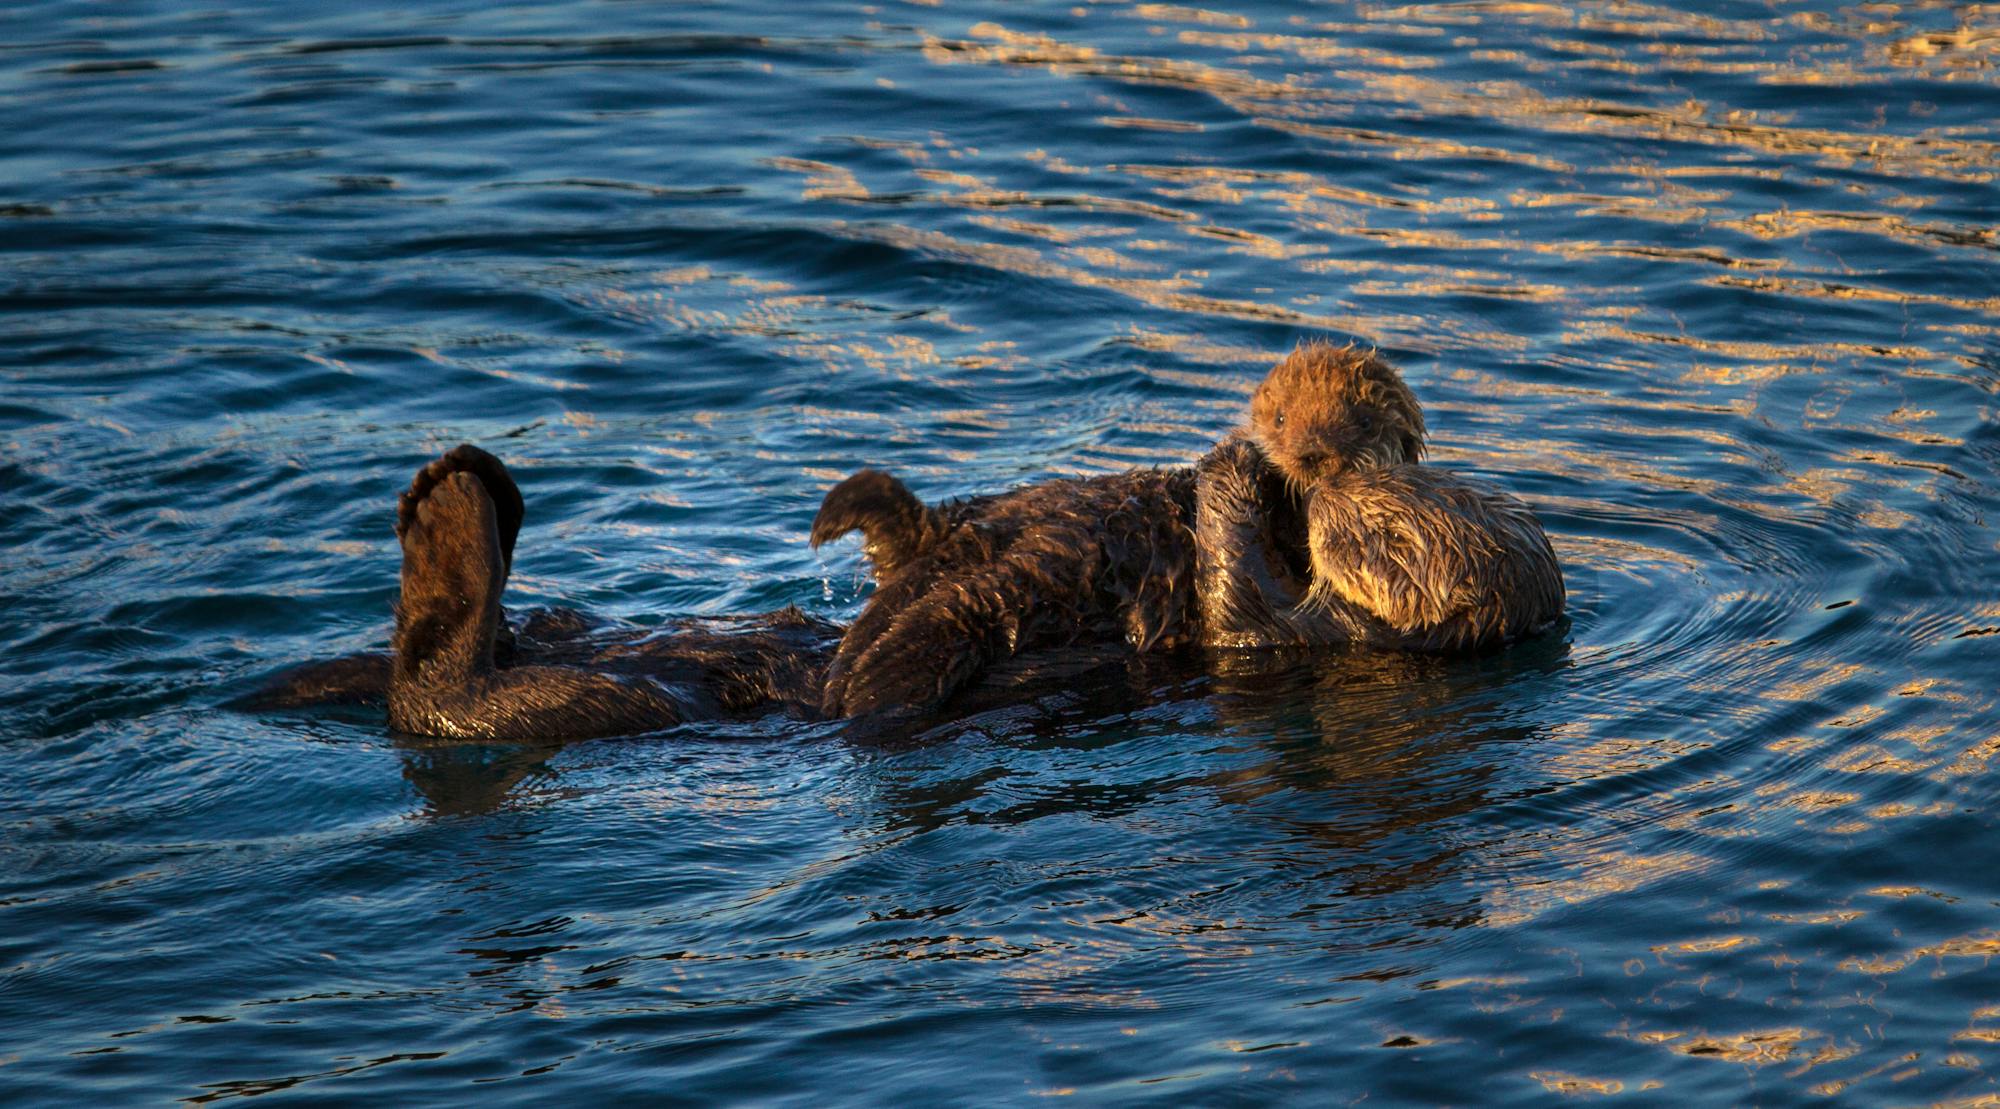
[
  {"x": 1379, "y": 767},
  {"x": 471, "y": 779},
  {"x": 1363, "y": 779},
  {"x": 1324, "y": 720}
]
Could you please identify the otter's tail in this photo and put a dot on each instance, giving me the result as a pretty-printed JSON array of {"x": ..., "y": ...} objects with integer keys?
[{"x": 896, "y": 528}]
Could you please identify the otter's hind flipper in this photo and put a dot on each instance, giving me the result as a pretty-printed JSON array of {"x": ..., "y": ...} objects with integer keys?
[
  {"x": 896, "y": 528},
  {"x": 443, "y": 681},
  {"x": 449, "y": 612},
  {"x": 508, "y": 507}
]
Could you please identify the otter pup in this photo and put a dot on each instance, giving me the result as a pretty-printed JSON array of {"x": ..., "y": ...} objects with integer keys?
[
  {"x": 1399, "y": 555},
  {"x": 457, "y": 670},
  {"x": 1315, "y": 529}
]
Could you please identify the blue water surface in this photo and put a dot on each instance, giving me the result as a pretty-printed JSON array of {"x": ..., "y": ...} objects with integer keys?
[{"x": 1715, "y": 287}]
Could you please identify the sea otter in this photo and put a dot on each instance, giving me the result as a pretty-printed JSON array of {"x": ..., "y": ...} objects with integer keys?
[
  {"x": 457, "y": 670},
  {"x": 1314, "y": 528},
  {"x": 1399, "y": 555}
]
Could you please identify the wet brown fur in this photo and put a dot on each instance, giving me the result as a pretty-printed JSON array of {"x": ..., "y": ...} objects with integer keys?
[
  {"x": 1314, "y": 527},
  {"x": 1327, "y": 410},
  {"x": 560, "y": 678},
  {"x": 459, "y": 668},
  {"x": 896, "y": 528},
  {"x": 971, "y": 582}
]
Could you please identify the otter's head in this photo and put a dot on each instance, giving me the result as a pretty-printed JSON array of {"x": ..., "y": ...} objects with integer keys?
[{"x": 1326, "y": 410}]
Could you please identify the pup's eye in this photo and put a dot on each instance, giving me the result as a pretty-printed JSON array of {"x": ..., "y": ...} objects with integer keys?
[{"x": 1278, "y": 420}]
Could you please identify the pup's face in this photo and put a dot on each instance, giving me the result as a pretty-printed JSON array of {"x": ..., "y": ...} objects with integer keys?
[{"x": 1326, "y": 410}]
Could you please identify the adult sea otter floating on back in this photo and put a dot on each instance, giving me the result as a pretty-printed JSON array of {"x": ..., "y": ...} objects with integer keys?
[{"x": 1315, "y": 526}]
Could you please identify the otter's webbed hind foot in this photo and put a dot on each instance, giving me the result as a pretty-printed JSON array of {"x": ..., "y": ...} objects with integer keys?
[
  {"x": 457, "y": 523},
  {"x": 453, "y": 571},
  {"x": 508, "y": 507},
  {"x": 896, "y": 528}
]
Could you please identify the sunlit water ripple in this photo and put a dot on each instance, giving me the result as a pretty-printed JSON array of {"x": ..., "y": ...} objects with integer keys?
[{"x": 1715, "y": 290}]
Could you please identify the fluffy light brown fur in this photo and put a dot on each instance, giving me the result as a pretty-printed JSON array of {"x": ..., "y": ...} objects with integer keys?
[
  {"x": 1315, "y": 526},
  {"x": 1401, "y": 555},
  {"x": 1326, "y": 410}
]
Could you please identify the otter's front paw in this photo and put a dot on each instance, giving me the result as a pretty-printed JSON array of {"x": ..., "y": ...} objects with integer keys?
[
  {"x": 1231, "y": 481},
  {"x": 883, "y": 691},
  {"x": 1236, "y": 451},
  {"x": 913, "y": 667}
]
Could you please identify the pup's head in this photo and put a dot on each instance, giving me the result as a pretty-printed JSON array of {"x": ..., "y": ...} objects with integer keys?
[{"x": 1326, "y": 410}]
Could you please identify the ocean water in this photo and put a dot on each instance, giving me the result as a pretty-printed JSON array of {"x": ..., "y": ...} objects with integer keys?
[{"x": 1714, "y": 286}]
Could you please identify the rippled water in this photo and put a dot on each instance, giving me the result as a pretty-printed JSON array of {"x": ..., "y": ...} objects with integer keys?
[{"x": 1715, "y": 290}]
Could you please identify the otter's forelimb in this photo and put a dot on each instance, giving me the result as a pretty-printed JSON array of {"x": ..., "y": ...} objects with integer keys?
[
  {"x": 1248, "y": 597},
  {"x": 361, "y": 679},
  {"x": 896, "y": 528}
]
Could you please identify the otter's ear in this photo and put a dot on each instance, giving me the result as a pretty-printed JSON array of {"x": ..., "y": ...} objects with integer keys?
[{"x": 1413, "y": 448}]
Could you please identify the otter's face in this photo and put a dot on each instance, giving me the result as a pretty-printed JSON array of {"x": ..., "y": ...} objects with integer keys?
[{"x": 1326, "y": 410}]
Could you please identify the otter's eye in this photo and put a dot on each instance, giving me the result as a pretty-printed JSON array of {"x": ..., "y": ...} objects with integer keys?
[
  {"x": 1365, "y": 421},
  {"x": 1278, "y": 420}
]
